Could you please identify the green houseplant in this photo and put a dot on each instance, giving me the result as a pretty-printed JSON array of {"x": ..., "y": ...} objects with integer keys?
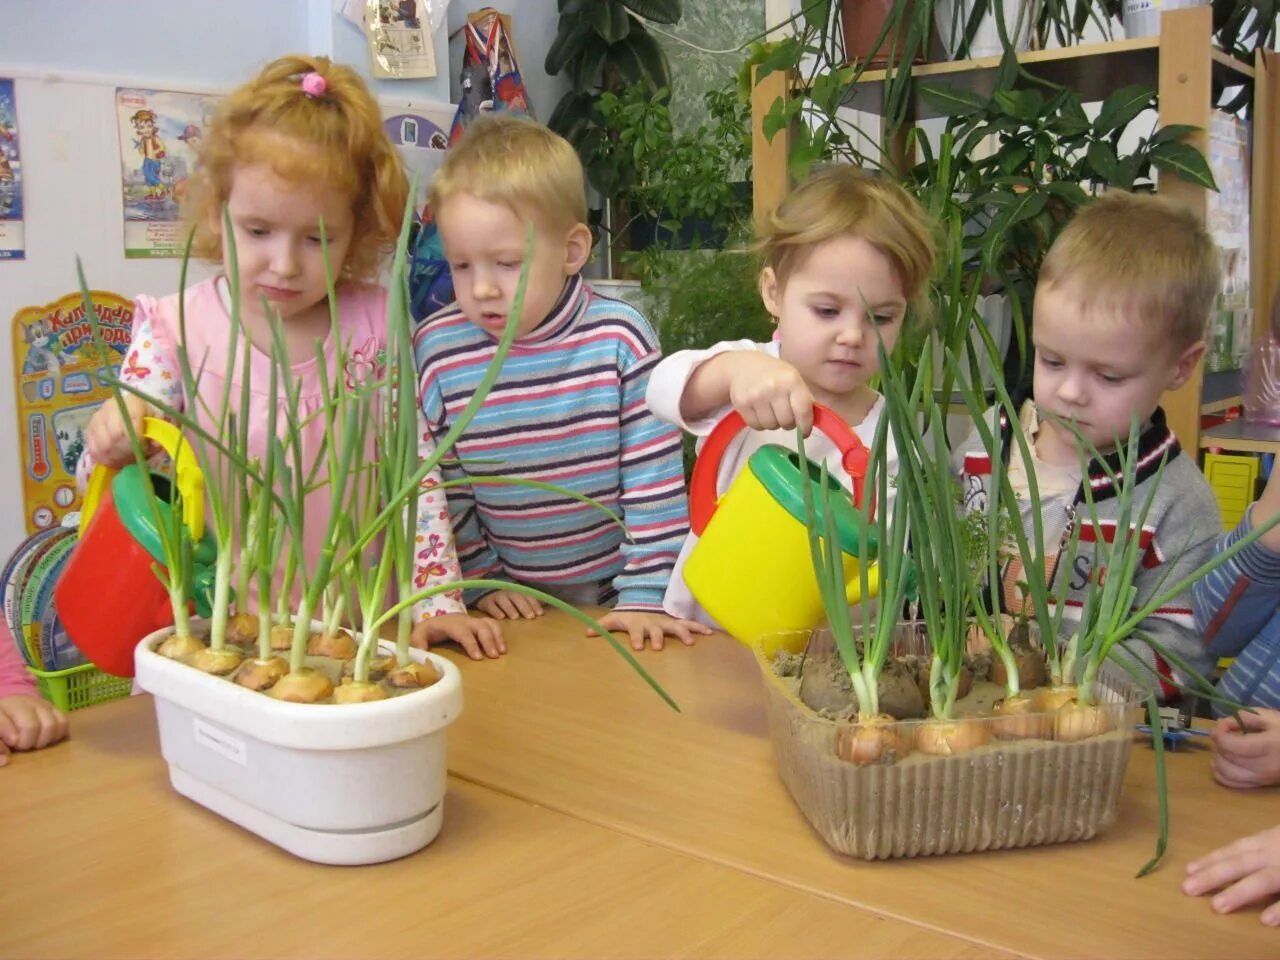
[
  {"x": 1048, "y": 157},
  {"x": 674, "y": 189},
  {"x": 603, "y": 47}
]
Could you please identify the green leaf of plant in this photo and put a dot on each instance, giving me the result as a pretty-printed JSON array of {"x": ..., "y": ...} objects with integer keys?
[
  {"x": 776, "y": 119},
  {"x": 1073, "y": 193},
  {"x": 816, "y": 14},
  {"x": 783, "y": 55},
  {"x": 805, "y": 151},
  {"x": 1024, "y": 206},
  {"x": 659, "y": 11},
  {"x": 950, "y": 102},
  {"x": 572, "y": 114},
  {"x": 1024, "y": 105},
  {"x": 611, "y": 20},
  {"x": 1013, "y": 158},
  {"x": 1174, "y": 131},
  {"x": 1101, "y": 156},
  {"x": 584, "y": 70},
  {"x": 1185, "y": 161},
  {"x": 1121, "y": 107},
  {"x": 1072, "y": 120},
  {"x": 828, "y": 89},
  {"x": 1007, "y": 72},
  {"x": 640, "y": 60},
  {"x": 1127, "y": 171},
  {"x": 573, "y": 34}
]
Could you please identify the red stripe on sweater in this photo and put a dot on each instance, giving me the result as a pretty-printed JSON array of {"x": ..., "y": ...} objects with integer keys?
[{"x": 1233, "y": 596}]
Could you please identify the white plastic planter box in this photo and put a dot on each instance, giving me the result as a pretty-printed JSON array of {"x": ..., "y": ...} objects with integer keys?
[{"x": 351, "y": 784}]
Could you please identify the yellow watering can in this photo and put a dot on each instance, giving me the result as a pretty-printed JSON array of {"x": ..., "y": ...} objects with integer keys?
[{"x": 751, "y": 569}]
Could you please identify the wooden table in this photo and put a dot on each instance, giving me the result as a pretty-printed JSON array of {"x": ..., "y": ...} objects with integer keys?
[
  {"x": 562, "y": 722},
  {"x": 100, "y": 858}
]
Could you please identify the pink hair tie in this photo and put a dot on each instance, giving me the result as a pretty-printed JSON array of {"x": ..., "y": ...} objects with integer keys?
[{"x": 314, "y": 85}]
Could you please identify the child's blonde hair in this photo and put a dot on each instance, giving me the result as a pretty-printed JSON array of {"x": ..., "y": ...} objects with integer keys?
[
  {"x": 333, "y": 139},
  {"x": 841, "y": 201},
  {"x": 1143, "y": 255},
  {"x": 517, "y": 162}
]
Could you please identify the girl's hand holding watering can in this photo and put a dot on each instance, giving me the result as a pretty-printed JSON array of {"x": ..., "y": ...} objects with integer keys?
[
  {"x": 107, "y": 436},
  {"x": 768, "y": 392}
]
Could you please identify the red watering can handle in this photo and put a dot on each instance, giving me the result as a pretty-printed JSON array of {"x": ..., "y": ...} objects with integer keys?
[{"x": 702, "y": 489}]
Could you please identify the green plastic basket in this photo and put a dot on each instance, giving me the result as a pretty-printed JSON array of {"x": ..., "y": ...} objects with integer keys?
[{"x": 81, "y": 686}]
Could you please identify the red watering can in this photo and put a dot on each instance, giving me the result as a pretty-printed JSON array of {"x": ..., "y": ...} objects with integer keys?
[{"x": 109, "y": 596}]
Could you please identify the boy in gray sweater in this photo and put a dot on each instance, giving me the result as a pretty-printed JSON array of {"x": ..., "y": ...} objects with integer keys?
[{"x": 1120, "y": 309}]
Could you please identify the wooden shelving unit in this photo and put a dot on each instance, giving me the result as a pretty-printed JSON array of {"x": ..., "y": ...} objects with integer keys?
[{"x": 1182, "y": 63}]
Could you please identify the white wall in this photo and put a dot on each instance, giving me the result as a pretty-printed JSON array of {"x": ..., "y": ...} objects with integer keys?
[
  {"x": 203, "y": 43},
  {"x": 67, "y": 58}
]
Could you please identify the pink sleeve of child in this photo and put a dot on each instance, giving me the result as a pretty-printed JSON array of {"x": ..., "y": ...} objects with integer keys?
[
  {"x": 150, "y": 364},
  {"x": 14, "y": 678},
  {"x": 435, "y": 559}
]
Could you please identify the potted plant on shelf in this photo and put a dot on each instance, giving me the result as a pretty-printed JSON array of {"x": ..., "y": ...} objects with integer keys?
[{"x": 334, "y": 753}]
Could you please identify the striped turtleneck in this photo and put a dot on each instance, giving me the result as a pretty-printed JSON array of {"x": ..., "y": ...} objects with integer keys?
[{"x": 567, "y": 409}]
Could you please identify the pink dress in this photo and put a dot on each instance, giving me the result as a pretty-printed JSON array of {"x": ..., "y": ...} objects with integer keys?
[
  {"x": 151, "y": 364},
  {"x": 14, "y": 678}
]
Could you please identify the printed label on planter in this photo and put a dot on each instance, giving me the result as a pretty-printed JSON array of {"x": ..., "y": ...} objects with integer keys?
[{"x": 219, "y": 741}]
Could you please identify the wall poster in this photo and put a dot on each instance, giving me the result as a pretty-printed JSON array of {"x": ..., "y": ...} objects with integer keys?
[
  {"x": 58, "y": 378},
  {"x": 12, "y": 234},
  {"x": 159, "y": 131}
]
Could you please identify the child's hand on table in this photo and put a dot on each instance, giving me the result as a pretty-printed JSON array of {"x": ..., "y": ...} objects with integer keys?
[
  {"x": 28, "y": 723},
  {"x": 651, "y": 628},
  {"x": 509, "y": 605},
  {"x": 1248, "y": 758},
  {"x": 1245, "y": 872},
  {"x": 479, "y": 637}
]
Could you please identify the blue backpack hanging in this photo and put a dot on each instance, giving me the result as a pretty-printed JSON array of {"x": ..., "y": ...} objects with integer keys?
[{"x": 491, "y": 81}]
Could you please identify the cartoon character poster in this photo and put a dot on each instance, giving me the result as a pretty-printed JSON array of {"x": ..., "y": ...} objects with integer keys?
[
  {"x": 12, "y": 240},
  {"x": 160, "y": 131},
  {"x": 58, "y": 375}
]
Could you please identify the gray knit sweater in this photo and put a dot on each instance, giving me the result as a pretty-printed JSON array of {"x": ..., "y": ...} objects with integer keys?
[{"x": 1178, "y": 536}]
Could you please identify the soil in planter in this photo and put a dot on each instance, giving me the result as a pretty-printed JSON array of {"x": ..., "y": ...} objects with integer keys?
[
  {"x": 902, "y": 692},
  {"x": 1033, "y": 672}
]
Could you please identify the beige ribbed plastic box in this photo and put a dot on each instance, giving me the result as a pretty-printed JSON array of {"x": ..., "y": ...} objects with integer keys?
[{"x": 1009, "y": 793}]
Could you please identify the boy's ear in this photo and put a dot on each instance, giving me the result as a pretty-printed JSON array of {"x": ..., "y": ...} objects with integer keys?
[
  {"x": 771, "y": 292},
  {"x": 1186, "y": 365},
  {"x": 577, "y": 248}
]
